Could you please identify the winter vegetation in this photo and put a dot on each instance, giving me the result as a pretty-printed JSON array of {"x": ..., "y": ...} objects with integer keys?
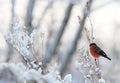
[{"x": 51, "y": 44}]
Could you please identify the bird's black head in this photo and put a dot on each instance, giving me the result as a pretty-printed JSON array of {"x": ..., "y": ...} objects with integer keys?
[{"x": 92, "y": 44}]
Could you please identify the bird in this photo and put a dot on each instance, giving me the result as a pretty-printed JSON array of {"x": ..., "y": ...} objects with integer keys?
[{"x": 96, "y": 51}]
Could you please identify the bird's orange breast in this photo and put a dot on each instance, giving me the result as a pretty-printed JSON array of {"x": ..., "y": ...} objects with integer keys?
[{"x": 93, "y": 53}]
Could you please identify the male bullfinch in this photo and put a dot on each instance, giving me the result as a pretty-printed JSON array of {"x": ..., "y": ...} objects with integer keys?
[{"x": 96, "y": 52}]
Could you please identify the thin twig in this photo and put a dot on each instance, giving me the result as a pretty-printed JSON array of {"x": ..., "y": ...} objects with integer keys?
[{"x": 92, "y": 37}]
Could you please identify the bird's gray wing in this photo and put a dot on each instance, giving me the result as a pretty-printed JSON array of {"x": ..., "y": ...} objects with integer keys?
[
  {"x": 100, "y": 52},
  {"x": 97, "y": 49}
]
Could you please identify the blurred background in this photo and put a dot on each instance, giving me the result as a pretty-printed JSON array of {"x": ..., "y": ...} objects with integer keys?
[{"x": 59, "y": 18}]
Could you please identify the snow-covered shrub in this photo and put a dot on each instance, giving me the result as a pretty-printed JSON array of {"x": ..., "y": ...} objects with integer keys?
[
  {"x": 18, "y": 73},
  {"x": 24, "y": 43}
]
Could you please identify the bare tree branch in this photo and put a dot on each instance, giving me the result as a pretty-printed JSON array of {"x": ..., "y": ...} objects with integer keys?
[
  {"x": 13, "y": 9},
  {"x": 71, "y": 49},
  {"x": 55, "y": 43},
  {"x": 43, "y": 14},
  {"x": 29, "y": 17}
]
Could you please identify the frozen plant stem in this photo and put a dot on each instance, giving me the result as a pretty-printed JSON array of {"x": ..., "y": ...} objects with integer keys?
[
  {"x": 92, "y": 38},
  {"x": 43, "y": 39},
  {"x": 42, "y": 46}
]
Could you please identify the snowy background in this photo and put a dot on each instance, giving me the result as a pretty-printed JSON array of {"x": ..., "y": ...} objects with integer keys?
[{"x": 46, "y": 17}]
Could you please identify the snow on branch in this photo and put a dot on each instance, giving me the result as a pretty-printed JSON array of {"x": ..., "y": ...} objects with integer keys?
[{"x": 20, "y": 40}]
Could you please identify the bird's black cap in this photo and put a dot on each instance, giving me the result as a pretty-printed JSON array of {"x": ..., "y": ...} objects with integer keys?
[{"x": 92, "y": 44}]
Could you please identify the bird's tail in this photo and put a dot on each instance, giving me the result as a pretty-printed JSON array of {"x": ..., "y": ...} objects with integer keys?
[
  {"x": 107, "y": 57},
  {"x": 102, "y": 53}
]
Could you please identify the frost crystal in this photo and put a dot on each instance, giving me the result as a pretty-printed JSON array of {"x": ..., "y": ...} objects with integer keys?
[
  {"x": 91, "y": 71},
  {"x": 68, "y": 78},
  {"x": 101, "y": 80},
  {"x": 97, "y": 69},
  {"x": 88, "y": 76}
]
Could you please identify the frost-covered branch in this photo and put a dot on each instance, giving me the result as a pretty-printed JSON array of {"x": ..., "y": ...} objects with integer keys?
[
  {"x": 20, "y": 40},
  {"x": 90, "y": 72}
]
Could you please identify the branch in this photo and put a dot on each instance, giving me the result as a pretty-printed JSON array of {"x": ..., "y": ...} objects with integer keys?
[
  {"x": 29, "y": 17},
  {"x": 43, "y": 14},
  {"x": 55, "y": 43},
  {"x": 71, "y": 49}
]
